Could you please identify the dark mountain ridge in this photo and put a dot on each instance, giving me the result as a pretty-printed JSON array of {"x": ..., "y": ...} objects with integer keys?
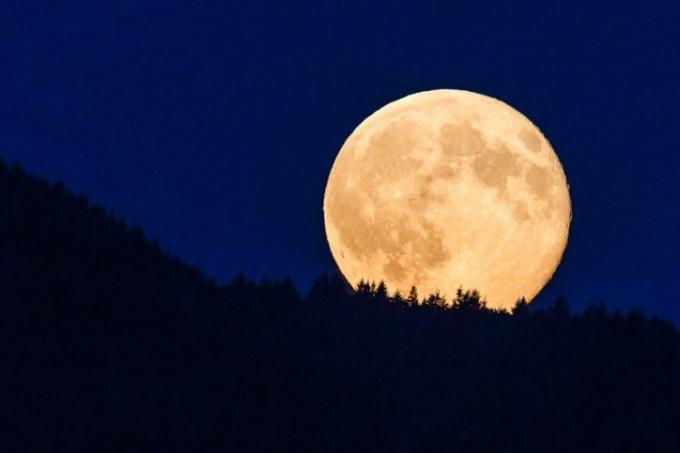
[{"x": 107, "y": 343}]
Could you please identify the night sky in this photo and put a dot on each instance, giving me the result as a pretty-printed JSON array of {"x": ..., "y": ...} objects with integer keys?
[{"x": 214, "y": 125}]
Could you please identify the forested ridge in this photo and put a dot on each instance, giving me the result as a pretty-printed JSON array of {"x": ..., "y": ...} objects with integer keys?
[{"x": 108, "y": 343}]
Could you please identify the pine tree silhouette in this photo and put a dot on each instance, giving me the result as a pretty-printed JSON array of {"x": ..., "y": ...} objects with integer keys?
[{"x": 412, "y": 298}]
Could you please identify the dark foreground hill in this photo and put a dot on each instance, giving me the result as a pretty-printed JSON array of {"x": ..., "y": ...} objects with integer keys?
[{"x": 108, "y": 344}]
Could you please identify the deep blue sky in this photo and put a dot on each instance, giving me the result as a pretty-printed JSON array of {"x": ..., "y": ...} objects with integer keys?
[{"x": 214, "y": 124}]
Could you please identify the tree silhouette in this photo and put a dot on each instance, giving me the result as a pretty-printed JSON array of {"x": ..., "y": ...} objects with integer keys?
[
  {"x": 521, "y": 307},
  {"x": 435, "y": 300},
  {"x": 469, "y": 301},
  {"x": 560, "y": 308},
  {"x": 325, "y": 289},
  {"x": 398, "y": 298},
  {"x": 412, "y": 298},
  {"x": 381, "y": 293}
]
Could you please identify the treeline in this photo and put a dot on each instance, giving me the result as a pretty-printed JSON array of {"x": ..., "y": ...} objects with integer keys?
[
  {"x": 109, "y": 344},
  {"x": 363, "y": 370}
]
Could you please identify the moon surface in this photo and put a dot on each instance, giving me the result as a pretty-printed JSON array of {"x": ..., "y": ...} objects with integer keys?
[{"x": 445, "y": 189}]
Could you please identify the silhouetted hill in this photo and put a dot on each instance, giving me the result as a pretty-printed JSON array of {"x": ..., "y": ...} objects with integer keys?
[
  {"x": 58, "y": 247},
  {"x": 109, "y": 344}
]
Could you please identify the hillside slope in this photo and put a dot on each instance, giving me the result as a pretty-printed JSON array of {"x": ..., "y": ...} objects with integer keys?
[{"x": 107, "y": 343}]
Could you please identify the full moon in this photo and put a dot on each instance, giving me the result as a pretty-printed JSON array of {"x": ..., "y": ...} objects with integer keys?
[{"x": 445, "y": 189}]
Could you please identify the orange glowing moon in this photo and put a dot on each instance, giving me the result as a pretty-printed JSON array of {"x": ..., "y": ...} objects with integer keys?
[{"x": 448, "y": 188}]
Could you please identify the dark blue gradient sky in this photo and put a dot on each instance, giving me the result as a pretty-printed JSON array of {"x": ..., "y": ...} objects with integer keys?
[{"x": 214, "y": 124}]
